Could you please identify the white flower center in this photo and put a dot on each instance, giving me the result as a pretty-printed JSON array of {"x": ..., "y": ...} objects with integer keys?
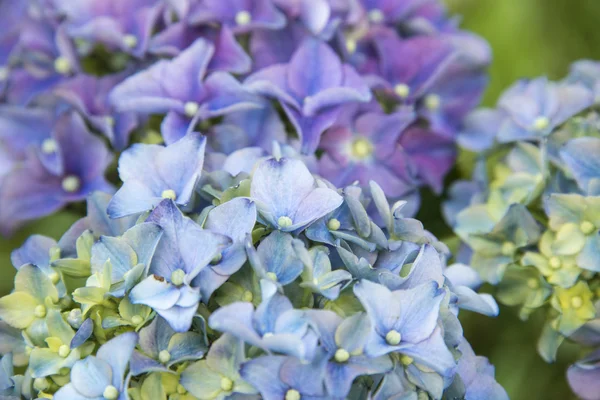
[
  {"x": 292, "y": 394},
  {"x": 402, "y": 90},
  {"x": 191, "y": 108},
  {"x": 341, "y": 355},
  {"x": 432, "y": 102},
  {"x": 226, "y": 384},
  {"x": 62, "y": 65},
  {"x": 541, "y": 123},
  {"x": 64, "y": 351},
  {"x": 393, "y": 337},
  {"x": 164, "y": 356},
  {"x": 177, "y": 277},
  {"x": 576, "y": 302},
  {"x": 243, "y": 18},
  {"x": 376, "y": 15},
  {"x": 49, "y": 146},
  {"x": 39, "y": 311},
  {"x": 333, "y": 224},
  {"x": 362, "y": 148},
  {"x": 130, "y": 41},
  {"x": 111, "y": 393},
  {"x": 169, "y": 194},
  {"x": 284, "y": 221},
  {"x": 71, "y": 184}
]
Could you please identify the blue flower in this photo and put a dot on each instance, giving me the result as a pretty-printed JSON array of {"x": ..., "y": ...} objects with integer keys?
[
  {"x": 161, "y": 347},
  {"x": 102, "y": 375},
  {"x": 309, "y": 88},
  {"x": 274, "y": 326},
  {"x": 169, "y": 289},
  {"x": 536, "y": 107},
  {"x": 151, "y": 173},
  {"x": 179, "y": 88},
  {"x": 287, "y": 195},
  {"x": 406, "y": 321}
]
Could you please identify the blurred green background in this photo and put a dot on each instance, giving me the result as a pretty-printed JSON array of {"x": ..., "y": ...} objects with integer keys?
[{"x": 528, "y": 38}]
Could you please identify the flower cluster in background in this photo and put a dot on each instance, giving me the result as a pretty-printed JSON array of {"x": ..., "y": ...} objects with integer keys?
[
  {"x": 275, "y": 285},
  {"x": 530, "y": 217},
  {"x": 364, "y": 90}
]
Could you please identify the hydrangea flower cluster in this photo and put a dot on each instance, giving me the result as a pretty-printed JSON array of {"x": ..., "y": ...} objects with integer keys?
[
  {"x": 530, "y": 217},
  {"x": 188, "y": 284},
  {"x": 365, "y": 90}
]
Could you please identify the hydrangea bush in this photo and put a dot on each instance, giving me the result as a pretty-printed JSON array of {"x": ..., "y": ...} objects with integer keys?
[
  {"x": 530, "y": 217},
  {"x": 365, "y": 90},
  {"x": 273, "y": 285},
  {"x": 238, "y": 159}
]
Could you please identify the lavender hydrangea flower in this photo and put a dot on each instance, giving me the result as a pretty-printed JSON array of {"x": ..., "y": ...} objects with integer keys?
[
  {"x": 33, "y": 190},
  {"x": 406, "y": 321},
  {"x": 89, "y": 96},
  {"x": 151, "y": 173},
  {"x": 309, "y": 94},
  {"x": 101, "y": 376},
  {"x": 125, "y": 27},
  {"x": 240, "y": 16},
  {"x": 288, "y": 197},
  {"x": 234, "y": 219},
  {"x": 168, "y": 289},
  {"x": 537, "y": 107},
  {"x": 362, "y": 147},
  {"x": 274, "y": 326},
  {"x": 161, "y": 347},
  {"x": 186, "y": 93}
]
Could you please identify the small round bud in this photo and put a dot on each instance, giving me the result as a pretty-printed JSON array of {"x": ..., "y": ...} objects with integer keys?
[
  {"x": 191, "y": 108},
  {"x": 555, "y": 262},
  {"x": 164, "y": 356},
  {"x": 393, "y": 337},
  {"x": 54, "y": 277},
  {"x": 402, "y": 90},
  {"x": 333, "y": 224},
  {"x": 350, "y": 46},
  {"x": 226, "y": 384},
  {"x": 376, "y": 16},
  {"x": 406, "y": 360},
  {"x": 541, "y": 123},
  {"x": 247, "y": 296},
  {"x": 576, "y": 302},
  {"x": 39, "y": 311},
  {"x": 284, "y": 221},
  {"x": 111, "y": 393},
  {"x": 341, "y": 355},
  {"x": 243, "y": 18},
  {"x": 177, "y": 277},
  {"x": 62, "y": 65},
  {"x": 49, "y": 146},
  {"x": 64, "y": 351},
  {"x": 533, "y": 283},
  {"x": 110, "y": 121},
  {"x": 136, "y": 319},
  {"x": 292, "y": 394},
  {"x": 362, "y": 148},
  {"x": 432, "y": 102},
  {"x": 272, "y": 276},
  {"x": 130, "y": 41},
  {"x": 508, "y": 249},
  {"x": 41, "y": 384},
  {"x": 71, "y": 184},
  {"x": 587, "y": 227},
  {"x": 169, "y": 194}
]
